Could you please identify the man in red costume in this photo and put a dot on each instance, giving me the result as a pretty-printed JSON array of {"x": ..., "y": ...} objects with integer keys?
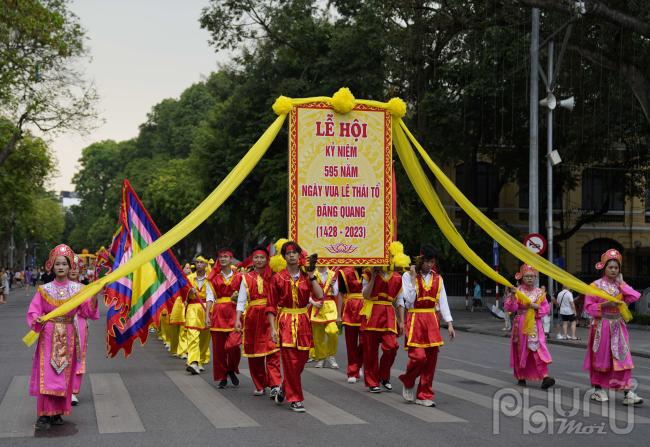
[
  {"x": 350, "y": 286},
  {"x": 382, "y": 292},
  {"x": 254, "y": 296},
  {"x": 226, "y": 351},
  {"x": 424, "y": 291},
  {"x": 292, "y": 293}
]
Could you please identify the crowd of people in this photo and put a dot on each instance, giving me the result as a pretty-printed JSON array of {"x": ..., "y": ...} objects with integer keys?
[{"x": 280, "y": 318}]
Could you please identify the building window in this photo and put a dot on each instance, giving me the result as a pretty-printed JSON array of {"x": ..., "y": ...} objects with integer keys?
[
  {"x": 592, "y": 251},
  {"x": 486, "y": 195},
  {"x": 604, "y": 187}
]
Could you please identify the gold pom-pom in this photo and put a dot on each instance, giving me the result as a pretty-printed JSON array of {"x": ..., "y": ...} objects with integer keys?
[
  {"x": 395, "y": 248},
  {"x": 282, "y": 105},
  {"x": 343, "y": 101},
  {"x": 277, "y": 263},
  {"x": 396, "y": 107},
  {"x": 279, "y": 243},
  {"x": 401, "y": 260}
]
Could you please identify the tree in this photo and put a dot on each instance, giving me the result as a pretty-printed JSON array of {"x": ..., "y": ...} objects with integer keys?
[{"x": 41, "y": 46}]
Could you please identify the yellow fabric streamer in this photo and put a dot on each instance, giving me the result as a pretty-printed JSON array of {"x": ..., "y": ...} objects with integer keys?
[
  {"x": 181, "y": 230},
  {"x": 432, "y": 202},
  {"x": 508, "y": 242}
]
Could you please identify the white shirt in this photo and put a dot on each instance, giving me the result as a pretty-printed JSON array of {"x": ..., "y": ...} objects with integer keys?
[
  {"x": 209, "y": 296},
  {"x": 399, "y": 299},
  {"x": 243, "y": 296},
  {"x": 410, "y": 294},
  {"x": 564, "y": 299}
]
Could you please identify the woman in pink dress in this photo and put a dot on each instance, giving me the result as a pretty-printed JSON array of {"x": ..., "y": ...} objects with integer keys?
[
  {"x": 57, "y": 351},
  {"x": 608, "y": 359},
  {"x": 81, "y": 325},
  {"x": 529, "y": 355}
]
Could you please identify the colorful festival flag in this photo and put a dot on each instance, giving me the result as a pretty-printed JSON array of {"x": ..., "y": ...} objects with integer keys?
[{"x": 135, "y": 301}]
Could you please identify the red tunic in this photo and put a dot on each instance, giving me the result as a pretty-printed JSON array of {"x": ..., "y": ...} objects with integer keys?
[
  {"x": 383, "y": 295},
  {"x": 289, "y": 302},
  {"x": 257, "y": 331},
  {"x": 224, "y": 310},
  {"x": 422, "y": 328},
  {"x": 353, "y": 298}
]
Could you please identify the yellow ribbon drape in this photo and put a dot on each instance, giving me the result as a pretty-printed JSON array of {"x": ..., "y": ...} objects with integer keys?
[
  {"x": 508, "y": 242},
  {"x": 432, "y": 202},
  {"x": 204, "y": 210}
]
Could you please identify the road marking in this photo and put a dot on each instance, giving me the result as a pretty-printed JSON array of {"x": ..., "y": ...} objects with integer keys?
[
  {"x": 393, "y": 400},
  {"x": 324, "y": 411},
  {"x": 113, "y": 405},
  {"x": 567, "y": 402},
  {"x": 639, "y": 386},
  {"x": 213, "y": 405},
  {"x": 17, "y": 412}
]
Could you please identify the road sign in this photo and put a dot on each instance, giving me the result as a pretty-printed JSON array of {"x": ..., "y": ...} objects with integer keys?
[{"x": 536, "y": 243}]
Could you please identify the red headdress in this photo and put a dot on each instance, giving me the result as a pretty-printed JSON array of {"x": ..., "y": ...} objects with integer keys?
[
  {"x": 525, "y": 268},
  {"x": 60, "y": 250},
  {"x": 610, "y": 254}
]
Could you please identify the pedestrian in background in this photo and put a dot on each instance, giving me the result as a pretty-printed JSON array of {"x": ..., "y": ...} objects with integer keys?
[
  {"x": 568, "y": 314},
  {"x": 476, "y": 296}
]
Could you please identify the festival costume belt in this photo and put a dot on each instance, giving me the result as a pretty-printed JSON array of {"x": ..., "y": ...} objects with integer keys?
[
  {"x": 366, "y": 310},
  {"x": 353, "y": 296},
  {"x": 62, "y": 320},
  {"x": 258, "y": 302},
  {"x": 223, "y": 300},
  {"x": 293, "y": 310},
  {"x": 611, "y": 316},
  {"x": 423, "y": 310}
]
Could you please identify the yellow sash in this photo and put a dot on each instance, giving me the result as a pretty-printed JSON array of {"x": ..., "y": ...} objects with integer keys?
[
  {"x": 366, "y": 310},
  {"x": 223, "y": 300}
]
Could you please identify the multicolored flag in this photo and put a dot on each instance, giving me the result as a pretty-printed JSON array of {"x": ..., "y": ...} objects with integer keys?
[{"x": 135, "y": 301}]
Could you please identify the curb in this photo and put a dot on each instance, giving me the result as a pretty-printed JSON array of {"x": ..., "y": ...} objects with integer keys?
[{"x": 582, "y": 346}]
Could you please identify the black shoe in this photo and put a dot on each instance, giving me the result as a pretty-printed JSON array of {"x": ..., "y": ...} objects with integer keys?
[
  {"x": 56, "y": 420},
  {"x": 548, "y": 382},
  {"x": 298, "y": 407},
  {"x": 42, "y": 423},
  {"x": 386, "y": 384},
  {"x": 274, "y": 391},
  {"x": 374, "y": 389},
  {"x": 521, "y": 382},
  {"x": 233, "y": 378},
  {"x": 279, "y": 396},
  {"x": 222, "y": 384}
]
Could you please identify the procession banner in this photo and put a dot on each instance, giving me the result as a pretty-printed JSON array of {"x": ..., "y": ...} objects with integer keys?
[{"x": 341, "y": 183}]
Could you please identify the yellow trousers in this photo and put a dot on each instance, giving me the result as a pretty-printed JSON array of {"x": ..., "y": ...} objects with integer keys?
[
  {"x": 182, "y": 341},
  {"x": 198, "y": 346},
  {"x": 164, "y": 328},
  {"x": 172, "y": 336},
  {"x": 326, "y": 340}
]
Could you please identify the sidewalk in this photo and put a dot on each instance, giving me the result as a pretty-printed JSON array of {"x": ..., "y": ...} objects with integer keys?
[{"x": 482, "y": 322}]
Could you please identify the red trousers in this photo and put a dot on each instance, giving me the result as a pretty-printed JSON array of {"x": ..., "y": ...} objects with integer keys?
[
  {"x": 224, "y": 360},
  {"x": 355, "y": 350},
  {"x": 265, "y": 370},
  {"x": 422, "y": 363},
  {"x": 293, "y": 362},
  {"x": 375, "y": 369}
]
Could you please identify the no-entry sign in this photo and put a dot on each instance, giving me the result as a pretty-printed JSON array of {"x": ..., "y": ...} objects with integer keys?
[{"x": 536, "y": 243}]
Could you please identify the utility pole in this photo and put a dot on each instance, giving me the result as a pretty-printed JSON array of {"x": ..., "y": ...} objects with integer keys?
[
  {"x": 533, "y": 182},
  {"x": 549, "y": 166}
]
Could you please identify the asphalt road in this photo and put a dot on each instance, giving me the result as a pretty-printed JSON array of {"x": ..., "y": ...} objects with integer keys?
[{"x": 149, "y": 400}]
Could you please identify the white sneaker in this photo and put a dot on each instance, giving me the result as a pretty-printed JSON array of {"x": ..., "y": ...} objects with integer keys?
[
  {"x": 560, "y": 337},
  {"x": 425, "y": 402},
  {"x": 599, "y": 396},
  {"x": 258, "y": 393},
  {"x": 319, "y": 364},
  {"x": 168, "y": 347},
  {"x": 632, "y": 399},
  {"x": 192, "y": 369},
  {"x": 75, "y": 400},
  {"x": 331, "y": 362},
  {"x": 201, "y": 368},
  {"x": 352, "y": 380},
  {"x": 408, "y": 394},
  {"x": 184, "y": 356}
]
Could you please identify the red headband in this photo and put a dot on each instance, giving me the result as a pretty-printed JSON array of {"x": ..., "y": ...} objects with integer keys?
[
  {"x": 225, "y": 252},
  {"x": 290, "y": 246},
  {"x": 260, "y": 252}
]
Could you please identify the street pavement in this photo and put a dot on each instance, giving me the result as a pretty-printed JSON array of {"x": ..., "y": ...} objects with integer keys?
[{"x": 149, "y": 399}]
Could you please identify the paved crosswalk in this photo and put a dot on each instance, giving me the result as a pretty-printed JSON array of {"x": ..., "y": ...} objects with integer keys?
[{"x": 115, "y": 411}]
